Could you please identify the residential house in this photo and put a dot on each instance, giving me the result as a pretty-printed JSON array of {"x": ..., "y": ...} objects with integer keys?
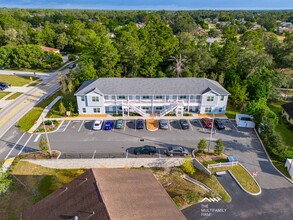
[
  {"x": 107, "y": 194},
  {"x": 50, "y": 49},
  {"x": 288, "y": 112},
  {"x": 151, "y": 96}
]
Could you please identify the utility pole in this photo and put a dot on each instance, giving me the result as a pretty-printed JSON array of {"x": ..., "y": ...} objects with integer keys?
[
  {"x": 47, "y": 138},
  {"x": 211, "y": 132}
]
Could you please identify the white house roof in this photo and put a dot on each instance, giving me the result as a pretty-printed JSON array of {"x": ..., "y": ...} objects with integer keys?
[{"x": 149, "y": 86}]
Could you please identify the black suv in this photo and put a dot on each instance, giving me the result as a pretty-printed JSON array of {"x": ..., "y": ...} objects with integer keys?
[
  {"x": 145, "y": 150},
  {"x": 184, "y": 123},
  {"x": 219, "y": 124},
  {"x": 4, "y": 85}
]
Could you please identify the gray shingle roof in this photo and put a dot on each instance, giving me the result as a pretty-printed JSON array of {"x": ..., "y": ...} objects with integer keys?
[{"x": 149, "y": 86}]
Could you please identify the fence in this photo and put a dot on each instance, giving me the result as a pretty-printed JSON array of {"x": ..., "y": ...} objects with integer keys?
[{"x": 227, "y": 164}]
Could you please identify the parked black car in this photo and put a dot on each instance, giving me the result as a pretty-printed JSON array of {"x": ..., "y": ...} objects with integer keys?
[
  {"x": 145, "y": 150},
  {"x": 184, "y": 123},
  {"x": 139, "y": 124},
  {"x": 71, "y": 66},
  {"x": 4, "y": 85},
  {"x": 219, "y": 124}
]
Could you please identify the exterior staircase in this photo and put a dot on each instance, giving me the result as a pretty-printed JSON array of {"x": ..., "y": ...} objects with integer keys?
[
  {"x": 135, "y": 109},
  {"x": 172, "y": 107}
]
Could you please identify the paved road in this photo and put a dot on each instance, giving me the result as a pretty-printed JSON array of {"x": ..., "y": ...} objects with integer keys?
[
  {"x": 12, "y": 113},
  {"x": 271, "y": 204}
]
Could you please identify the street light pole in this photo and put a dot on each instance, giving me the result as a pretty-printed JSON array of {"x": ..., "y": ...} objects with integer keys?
[
  {"x": 211, "y": 133},
  {"x": 47, "y": 138}
]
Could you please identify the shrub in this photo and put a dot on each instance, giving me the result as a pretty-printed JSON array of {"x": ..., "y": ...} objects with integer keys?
[
  {"x": 48, "y": 122},
  {"x": 117, "y": 115},
  {"x": 62, "y": 109},
  {"x": 187, "y": 114},
  {"x": 171, "y": 114},
  {"x": 187, "y": 166},
  {"x": 219, "y": 147},
  {"x": 44, "y": 145},
  {"x": 202, "y": 145},
  {"x": 71, "y": 57},
  {"x": 5, "y": 182}
]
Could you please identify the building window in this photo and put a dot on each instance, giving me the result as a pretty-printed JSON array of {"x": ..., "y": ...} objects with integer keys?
[
  {"x": 97, "y": 110},
  {"x": 210, "y": 98},
  {"x": 95, "y": 99},
  {"x": 220, "y": 109},
  {"x": 82, "y": 98},
  {"x": 83, "y": 110},
  {"x": 159, "y": 108},
  {"x": 121, "y": 97},
  {"x": 145, "y": 97},
  {"x": 145, "y": 108},
  {"x": 208, "y": 109},
  {"x": 183, "y": 97},
  {"x": 159, "y": 97},
  {"x": 222, "y": 98},
  {"x": 106, "y": 97}
]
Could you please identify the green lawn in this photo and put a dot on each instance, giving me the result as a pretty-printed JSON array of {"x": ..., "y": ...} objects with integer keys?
[
  {"x": 3, "y": 94},
  {"x": 16, "y": 80},
  {"x": 242, "y": 176},
  {"x": 27, "y": 121},
  {"x": 54, "y": 112},
  {"x": 213, "y": 183},
  {"x": 281, "y": 167},
  {"x": 283, "y": 127},
  {"x": 231, "y": 112},
  {"x": 34, "y": 83},
  {"x": 14, "y": 96},
  {"x": 40, "y": 182}
]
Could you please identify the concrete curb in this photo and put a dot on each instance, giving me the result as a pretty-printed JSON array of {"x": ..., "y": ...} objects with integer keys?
[
  {"x": 270, "y": 158},
  {"x": 253, "y": 194}
]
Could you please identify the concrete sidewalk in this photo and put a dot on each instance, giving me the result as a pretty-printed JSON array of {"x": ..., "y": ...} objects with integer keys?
[
  {"x": 108, "y": 163},
  {"x": 44, "y": 114}
]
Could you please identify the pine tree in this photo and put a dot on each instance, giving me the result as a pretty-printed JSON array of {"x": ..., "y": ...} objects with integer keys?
[
  {"x": 219, "y": 147},
  {"x": 202, "y": 145},
  {"x": 62, "y": 109}
]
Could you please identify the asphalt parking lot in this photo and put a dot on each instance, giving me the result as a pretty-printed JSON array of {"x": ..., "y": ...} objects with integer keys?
[{"x": 76, "y": 139}]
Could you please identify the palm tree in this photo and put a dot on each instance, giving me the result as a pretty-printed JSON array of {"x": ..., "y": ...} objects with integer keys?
[{"x": 179, "y": 64}]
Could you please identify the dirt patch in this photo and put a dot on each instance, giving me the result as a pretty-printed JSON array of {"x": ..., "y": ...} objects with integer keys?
[{"x": 209, "y": 157}]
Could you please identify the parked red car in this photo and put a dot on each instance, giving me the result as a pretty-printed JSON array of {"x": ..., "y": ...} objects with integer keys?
[{"x": 207, "y": 122}]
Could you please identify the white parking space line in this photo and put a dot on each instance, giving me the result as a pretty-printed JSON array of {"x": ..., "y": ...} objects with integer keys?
[
  {"x": 124, "y": 125},
  {"x": 233, "y": 125},
  {"x": 190, "y": 125},
  {"x": 134, "y": 125},
  {"x": 201, "y": 125},
  {"x": 14, "y": 146},
  {"x": 94, "y": 154},
  {"x": 37, "y": 138},
  {"x": 25, "y": 145},
  {"x": 66, "y": 126},
  {"x": 80, "y": 126},
  {"x": 170, "y": 125}
]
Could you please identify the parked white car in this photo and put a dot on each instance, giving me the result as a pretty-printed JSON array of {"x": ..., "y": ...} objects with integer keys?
[{"x": 97, "y": 125}]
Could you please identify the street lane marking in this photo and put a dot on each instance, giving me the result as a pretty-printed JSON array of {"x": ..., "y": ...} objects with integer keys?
[
  {"x": 25, "y": 145},
  {"x": 14, "y": 146},
  {"x": 66, "y": 126},
  {"x": 37, "y": 138},
  {"x": 80, "y": 126}
]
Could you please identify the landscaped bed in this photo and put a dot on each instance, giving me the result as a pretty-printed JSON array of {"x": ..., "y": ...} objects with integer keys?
[
  {"x": 50, "y": 126},
  {"x": 152, "y": 124},
  {"x": 243, "y": 177}
]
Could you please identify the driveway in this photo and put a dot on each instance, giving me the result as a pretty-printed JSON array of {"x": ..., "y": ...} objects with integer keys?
[{"x": 271, "y": 204}]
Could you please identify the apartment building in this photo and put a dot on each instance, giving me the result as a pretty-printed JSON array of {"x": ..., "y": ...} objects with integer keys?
[{"x": 158, "y": 96}]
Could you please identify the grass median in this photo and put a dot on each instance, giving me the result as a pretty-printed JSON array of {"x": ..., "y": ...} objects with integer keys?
[
  {"x": 3, "y": 94},
  {"x": 27, "y": 121},
  {"x": 14, "y": 96},
  {"x": 243, "y": 177}
]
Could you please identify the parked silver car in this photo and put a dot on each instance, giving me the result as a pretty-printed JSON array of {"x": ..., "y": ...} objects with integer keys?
[{"x": 177, "y": 150}]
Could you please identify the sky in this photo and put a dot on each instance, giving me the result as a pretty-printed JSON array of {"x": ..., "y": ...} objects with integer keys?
[{"x": 150, "y": 4}]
